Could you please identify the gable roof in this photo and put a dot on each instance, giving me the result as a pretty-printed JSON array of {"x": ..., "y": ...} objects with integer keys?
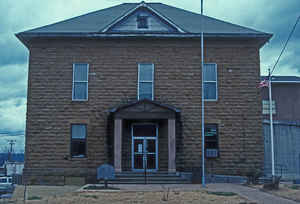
[
  {"x": 97, "y": 24},
  {"x": 283, "y": 79}
]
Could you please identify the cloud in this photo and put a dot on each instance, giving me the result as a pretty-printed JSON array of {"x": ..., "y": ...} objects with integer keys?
[
  {"x": 13, "y": 114},
  {"x": 276, "y": 17},
  {"x": 11, "y": 51},
  {"x": 13, "y": 81},
  {"x": 13, "y": 88}
]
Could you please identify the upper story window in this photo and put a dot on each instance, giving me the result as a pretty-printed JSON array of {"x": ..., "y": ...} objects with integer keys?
[
  {"x": 78, "y": 140},
  {"x": 145, "y": 81},
  {"x": 80, "y": 82},
  {"x": 266, "y": 107},
  {"x": 210, "y": 82},
  {"x": 142, "y": 22}
]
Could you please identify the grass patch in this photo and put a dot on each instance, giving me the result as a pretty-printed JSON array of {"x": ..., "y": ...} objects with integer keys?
[
  {"x": 221, "y": 193},
  {"x": 294, "y": 187},
  {"x": 34, "y": 198}
]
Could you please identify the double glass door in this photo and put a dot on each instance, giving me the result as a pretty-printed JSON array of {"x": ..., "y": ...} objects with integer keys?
[{"x": 144, "y": 147}]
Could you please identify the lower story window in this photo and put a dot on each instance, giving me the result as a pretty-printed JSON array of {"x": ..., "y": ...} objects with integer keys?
[
  {"x": 211, "y": 140},
  {"x": 78, "y": 140}
]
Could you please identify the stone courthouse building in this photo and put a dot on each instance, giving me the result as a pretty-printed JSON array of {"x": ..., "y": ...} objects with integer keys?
[{"x": 123, "y": 86}]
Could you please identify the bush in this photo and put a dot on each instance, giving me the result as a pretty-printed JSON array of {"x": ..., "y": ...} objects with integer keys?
[
  {"x": 273, "y": 184},
  {"x": 253, "y": 176}
]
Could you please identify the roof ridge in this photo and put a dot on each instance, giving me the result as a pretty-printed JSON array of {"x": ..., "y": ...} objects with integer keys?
[
  {"x": 166, "y": 16},
  {"x": 281, "y": 76},
  {"x": 114, "y": 21}
]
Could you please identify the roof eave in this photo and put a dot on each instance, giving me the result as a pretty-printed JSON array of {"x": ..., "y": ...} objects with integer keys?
[
  {"x": 23, "y": 38},
  {"x": 286, "y": 82},
  {"x": 26, "y": 36}
]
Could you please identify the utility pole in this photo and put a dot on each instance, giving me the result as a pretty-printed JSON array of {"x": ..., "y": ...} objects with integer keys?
[{"x": 10, "y": 151}]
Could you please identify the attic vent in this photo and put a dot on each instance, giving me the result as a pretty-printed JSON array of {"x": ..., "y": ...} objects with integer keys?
[{"x": 142, "y": 22}]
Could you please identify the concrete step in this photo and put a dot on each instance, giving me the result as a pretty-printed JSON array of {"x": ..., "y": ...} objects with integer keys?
[
  {"x": 147, "y": 174},
  {"x": 151, "y": 178},
  {"x": 147, "y": 182}
]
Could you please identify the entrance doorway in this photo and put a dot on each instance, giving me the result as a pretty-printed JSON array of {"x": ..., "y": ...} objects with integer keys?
[{"x": 144, "y": 147}]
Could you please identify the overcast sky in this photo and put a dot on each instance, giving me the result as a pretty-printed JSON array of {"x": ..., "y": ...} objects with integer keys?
[{"x": 272, "y": 16}]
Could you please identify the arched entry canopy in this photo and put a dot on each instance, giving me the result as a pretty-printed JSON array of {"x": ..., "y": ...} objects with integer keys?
[{"x": 145, "y": 110}]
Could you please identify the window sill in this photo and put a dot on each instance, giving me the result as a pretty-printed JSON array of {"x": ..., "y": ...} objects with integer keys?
[
  {"x": 79, "y": 100},
  {"x": 212, "y": 100},
  {"x": 78, "y": 158}
]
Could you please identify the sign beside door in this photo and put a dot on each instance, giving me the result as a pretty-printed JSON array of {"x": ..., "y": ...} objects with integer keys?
[{"x": 140, "y": 148}]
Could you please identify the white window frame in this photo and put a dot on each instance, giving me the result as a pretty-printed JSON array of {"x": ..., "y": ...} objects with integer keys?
[
  {"x": 87, "y": 83},
  {"x": 216, "y": 67},
  {"x": 76, "y": 139},
  {"x": 139, "y": 81}
]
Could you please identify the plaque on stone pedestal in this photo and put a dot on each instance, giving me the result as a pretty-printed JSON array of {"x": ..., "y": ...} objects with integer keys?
[{"x": 105, "y": 172}]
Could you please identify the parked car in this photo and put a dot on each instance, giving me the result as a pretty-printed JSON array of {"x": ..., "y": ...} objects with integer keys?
[
  {"x": 7, "y": 195},
  {"x": 6, "y": 180},
  {"x": 6, "y": 186}
]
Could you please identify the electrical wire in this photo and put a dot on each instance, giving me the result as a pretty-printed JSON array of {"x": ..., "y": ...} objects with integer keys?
[{"x": 291, "y": 33}]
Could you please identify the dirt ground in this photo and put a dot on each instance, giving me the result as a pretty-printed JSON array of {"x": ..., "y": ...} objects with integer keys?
[
  {"x": 289, "y": 191},
  {"x": 42, "y": 191},
  {"x": 68, "y": 195}
]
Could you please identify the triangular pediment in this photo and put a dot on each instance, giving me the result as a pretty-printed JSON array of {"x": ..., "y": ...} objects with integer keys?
[
  {"x": 145, "y": 109},
  {"x": 143, "y": 19}
]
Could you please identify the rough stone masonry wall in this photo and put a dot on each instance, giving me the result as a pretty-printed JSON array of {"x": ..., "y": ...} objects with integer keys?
[
  {"x": 238, "y": 109},
  {"x": 51, "y": 111}
]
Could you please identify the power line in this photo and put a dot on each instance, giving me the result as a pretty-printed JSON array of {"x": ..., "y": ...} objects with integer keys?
[{"x": 291, "y": 33}]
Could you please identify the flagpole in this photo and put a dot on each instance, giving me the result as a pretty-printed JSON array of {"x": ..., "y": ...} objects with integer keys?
[
  {"x": 271, "y": 124},
  {"x": 202, "y": 101}
]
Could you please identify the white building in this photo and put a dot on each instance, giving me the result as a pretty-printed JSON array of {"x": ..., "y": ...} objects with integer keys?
[{"x": 14, "y": 168}]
